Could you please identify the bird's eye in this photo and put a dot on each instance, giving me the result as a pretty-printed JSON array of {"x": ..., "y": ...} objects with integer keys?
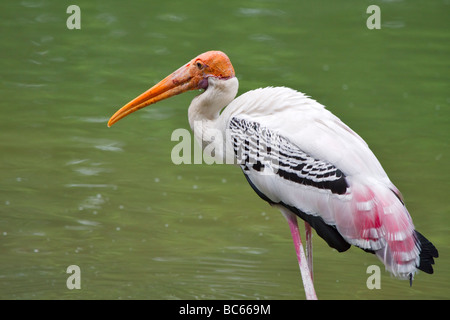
[{"x": 199, "y": 65}]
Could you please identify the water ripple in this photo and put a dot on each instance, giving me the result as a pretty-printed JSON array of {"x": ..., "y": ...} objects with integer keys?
[
  {"x": 98, "y": 119},
  {"x": 393, "y": 24},
  {"x": 32, "y": 4},
  {"x": 258, "y": 12},
  {"x": 85, "y": 171},
  {"x": 101, "y": 144},
  {"x": 89, "y": 223},
  {"x": 90, "y": 185},
  {"x": 172, "y": 17}
]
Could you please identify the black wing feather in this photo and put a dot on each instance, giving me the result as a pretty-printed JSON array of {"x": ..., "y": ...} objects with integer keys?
[{"x": 256, "y": 147}]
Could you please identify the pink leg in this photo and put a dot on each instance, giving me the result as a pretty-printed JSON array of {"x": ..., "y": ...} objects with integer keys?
[
  {"x": 304, "y": 270},
  {"x": 309, "y": 249}
]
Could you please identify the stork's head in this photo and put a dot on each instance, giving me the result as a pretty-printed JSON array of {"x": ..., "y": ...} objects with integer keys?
[{"x": 192, "y": 76}]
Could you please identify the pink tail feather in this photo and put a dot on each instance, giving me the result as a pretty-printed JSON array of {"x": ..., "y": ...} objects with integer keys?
[{"x": 379, "y": 222}]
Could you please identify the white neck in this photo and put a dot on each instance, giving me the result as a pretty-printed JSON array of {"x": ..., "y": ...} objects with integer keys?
[
  {"x": 204, "y": 110},
  {"x": 218, "y": 95}
]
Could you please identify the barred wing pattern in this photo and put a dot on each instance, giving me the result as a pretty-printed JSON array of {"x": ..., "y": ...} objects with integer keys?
[
  {"x": 256, "y": 147},
  {"x": 344, "y": 210}
]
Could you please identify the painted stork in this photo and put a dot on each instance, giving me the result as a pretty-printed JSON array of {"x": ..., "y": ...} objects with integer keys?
[{"x": 302, "y": 159}]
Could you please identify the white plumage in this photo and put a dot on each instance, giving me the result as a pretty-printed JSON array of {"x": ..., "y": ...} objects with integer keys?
[
  {"x": 301, "y": 158},
  {"x": 368, "y": 215}
]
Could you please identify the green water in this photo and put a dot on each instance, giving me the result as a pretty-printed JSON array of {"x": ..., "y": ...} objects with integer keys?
[{"x": 74, "y": 192}]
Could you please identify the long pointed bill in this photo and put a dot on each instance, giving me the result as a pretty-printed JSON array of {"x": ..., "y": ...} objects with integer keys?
[
  {"x": 191, "y": 76},
  {"x": 181, "y": 80}
]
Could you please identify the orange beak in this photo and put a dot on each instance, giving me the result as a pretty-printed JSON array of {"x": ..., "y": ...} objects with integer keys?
[
  {"x": 182, "y": 80},
  {"x": 191, "y": 76}
]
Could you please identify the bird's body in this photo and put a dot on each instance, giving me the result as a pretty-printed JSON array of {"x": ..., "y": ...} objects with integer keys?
[
  {"x": 360, "y": 206},
  {"x": 301, "y": 158}
]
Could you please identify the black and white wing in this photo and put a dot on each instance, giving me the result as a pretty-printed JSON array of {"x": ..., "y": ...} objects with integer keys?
[{"x": 303, "y": 158}]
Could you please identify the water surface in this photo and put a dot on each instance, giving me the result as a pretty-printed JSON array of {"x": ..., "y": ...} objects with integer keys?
[{"x": 74, "y": 192}]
